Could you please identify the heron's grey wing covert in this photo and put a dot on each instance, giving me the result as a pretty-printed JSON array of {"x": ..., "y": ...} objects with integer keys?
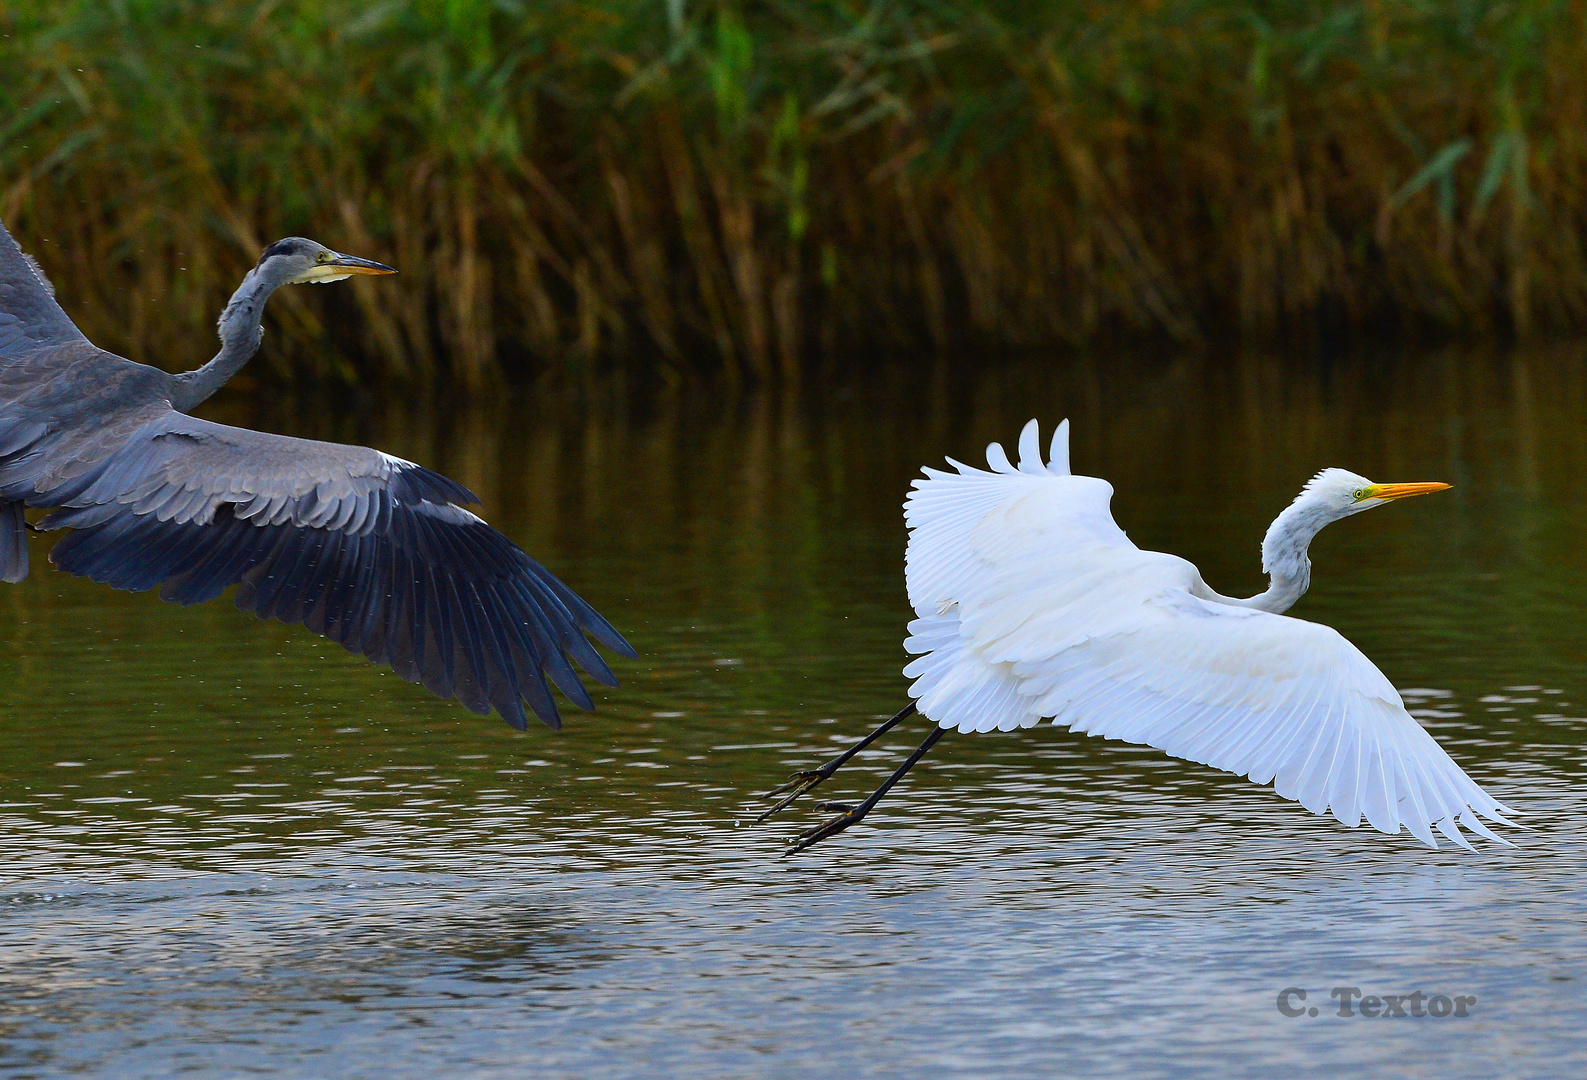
[
  {"x": 372, "y": 551},
  {"x": 29, "y": 319},
  {"x": 57, "y": 391}
]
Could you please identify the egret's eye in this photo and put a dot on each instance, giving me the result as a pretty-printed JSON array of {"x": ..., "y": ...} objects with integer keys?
[{"x": 1360, "y": 493}]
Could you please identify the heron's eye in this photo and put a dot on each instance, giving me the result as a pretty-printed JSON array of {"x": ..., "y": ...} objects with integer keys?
[{"x": 324, "y": 256}]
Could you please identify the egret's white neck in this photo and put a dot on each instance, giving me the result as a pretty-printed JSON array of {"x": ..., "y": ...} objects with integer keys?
[{"x": 1284, "y": 554}]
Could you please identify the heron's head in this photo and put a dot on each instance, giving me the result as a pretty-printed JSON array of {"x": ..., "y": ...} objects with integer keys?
[
  {"x": 1338, "y": 493},
  {"x": 297, "y": 261}
]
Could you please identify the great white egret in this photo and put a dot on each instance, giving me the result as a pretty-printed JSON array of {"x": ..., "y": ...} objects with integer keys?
[{"x": 1030, "y": 602}]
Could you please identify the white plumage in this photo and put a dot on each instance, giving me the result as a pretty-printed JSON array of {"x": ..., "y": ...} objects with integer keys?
[{"x": 1031, "y": 602}]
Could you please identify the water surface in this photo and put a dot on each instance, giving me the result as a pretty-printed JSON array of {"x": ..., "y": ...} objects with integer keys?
[{"x": 232, "y": 849}]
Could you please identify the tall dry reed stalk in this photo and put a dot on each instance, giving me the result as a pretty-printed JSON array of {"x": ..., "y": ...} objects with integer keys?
[{"x": 763, "y": 188}]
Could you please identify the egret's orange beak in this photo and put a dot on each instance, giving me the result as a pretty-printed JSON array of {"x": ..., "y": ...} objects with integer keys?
[{"x": 1387, "y": 492}]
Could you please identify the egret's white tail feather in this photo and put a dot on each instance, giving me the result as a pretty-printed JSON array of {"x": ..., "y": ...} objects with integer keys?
[{"x": 1032, "y": 603}]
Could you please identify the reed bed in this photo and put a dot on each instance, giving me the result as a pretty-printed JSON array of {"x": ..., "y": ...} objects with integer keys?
[{"x": 771, "y": 189}]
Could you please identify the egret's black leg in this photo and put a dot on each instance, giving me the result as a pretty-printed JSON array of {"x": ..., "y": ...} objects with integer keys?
[
  {"x": 801, "y": 782},
  {"x": 852, "y": 814}
]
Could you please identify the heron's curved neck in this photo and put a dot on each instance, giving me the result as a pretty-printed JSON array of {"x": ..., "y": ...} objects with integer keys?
[
  {"x": 1284, "y": 556},
  {"x": 240, "y": 334}
]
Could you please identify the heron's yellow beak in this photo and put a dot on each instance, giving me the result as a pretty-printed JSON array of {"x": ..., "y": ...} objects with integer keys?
[
  {"x": 1387, "y": 492},
  {"x": 339, "y": 267},
  {"x": 352, "y": 264}
]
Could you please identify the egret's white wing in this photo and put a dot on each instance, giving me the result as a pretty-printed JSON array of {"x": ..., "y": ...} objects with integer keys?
[{"x": 1033, "y": 603}]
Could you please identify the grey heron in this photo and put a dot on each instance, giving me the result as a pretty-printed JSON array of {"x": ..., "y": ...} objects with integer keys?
[
  {"x": 372, "y": 551},
  {"x": 1030, "y": 602}
]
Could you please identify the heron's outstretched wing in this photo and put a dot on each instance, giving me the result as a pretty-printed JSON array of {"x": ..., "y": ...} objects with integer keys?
[
  {"x": 371, "y": 551},
  {"x": 1031, "y": 603},
  {"x": 30, "y": 319},
  {"x": 63, "y": 402}
]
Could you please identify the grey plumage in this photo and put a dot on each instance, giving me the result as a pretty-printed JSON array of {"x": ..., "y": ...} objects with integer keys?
[
  {"x": 372, "y": 551},
  {"x": 13, "y": 543}
]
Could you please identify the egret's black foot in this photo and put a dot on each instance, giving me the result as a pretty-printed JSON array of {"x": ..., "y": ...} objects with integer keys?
[
  {"x": 850, "y": 816},
  {"x": 801, "y": 782},
  {"x": 797, "y": 785}
]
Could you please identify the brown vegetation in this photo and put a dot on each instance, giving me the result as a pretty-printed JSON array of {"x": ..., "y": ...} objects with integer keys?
[{"x": 765, "y": 188}]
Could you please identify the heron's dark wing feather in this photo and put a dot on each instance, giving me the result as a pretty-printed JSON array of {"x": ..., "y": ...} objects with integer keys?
[
  {"x": 371, "y": 551},
  {"x": 30, "y": 319}
]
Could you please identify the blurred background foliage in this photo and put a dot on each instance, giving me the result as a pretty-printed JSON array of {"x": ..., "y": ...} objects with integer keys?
[{"x": 773, "y": 189}]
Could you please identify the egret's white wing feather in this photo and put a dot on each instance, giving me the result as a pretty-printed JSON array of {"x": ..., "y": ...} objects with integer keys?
[
  {"x": 1032, "y": 603},
  {"x": 1058, "y": 453}
]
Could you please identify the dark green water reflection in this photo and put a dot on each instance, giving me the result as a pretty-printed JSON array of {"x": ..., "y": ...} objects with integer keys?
[{"x": 229, "y": 847}]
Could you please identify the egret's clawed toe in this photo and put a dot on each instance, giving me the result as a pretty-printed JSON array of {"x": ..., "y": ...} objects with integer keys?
[
  {"x": 831, "y": 827},
  {"x": 799, "y": 783}
]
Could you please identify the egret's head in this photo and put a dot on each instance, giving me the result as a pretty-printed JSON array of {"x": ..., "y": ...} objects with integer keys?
[
  {"x": 297, "y": 261},
  {"x": 1340, "y": 493},
  {"x": 1331, "y": 494}
]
